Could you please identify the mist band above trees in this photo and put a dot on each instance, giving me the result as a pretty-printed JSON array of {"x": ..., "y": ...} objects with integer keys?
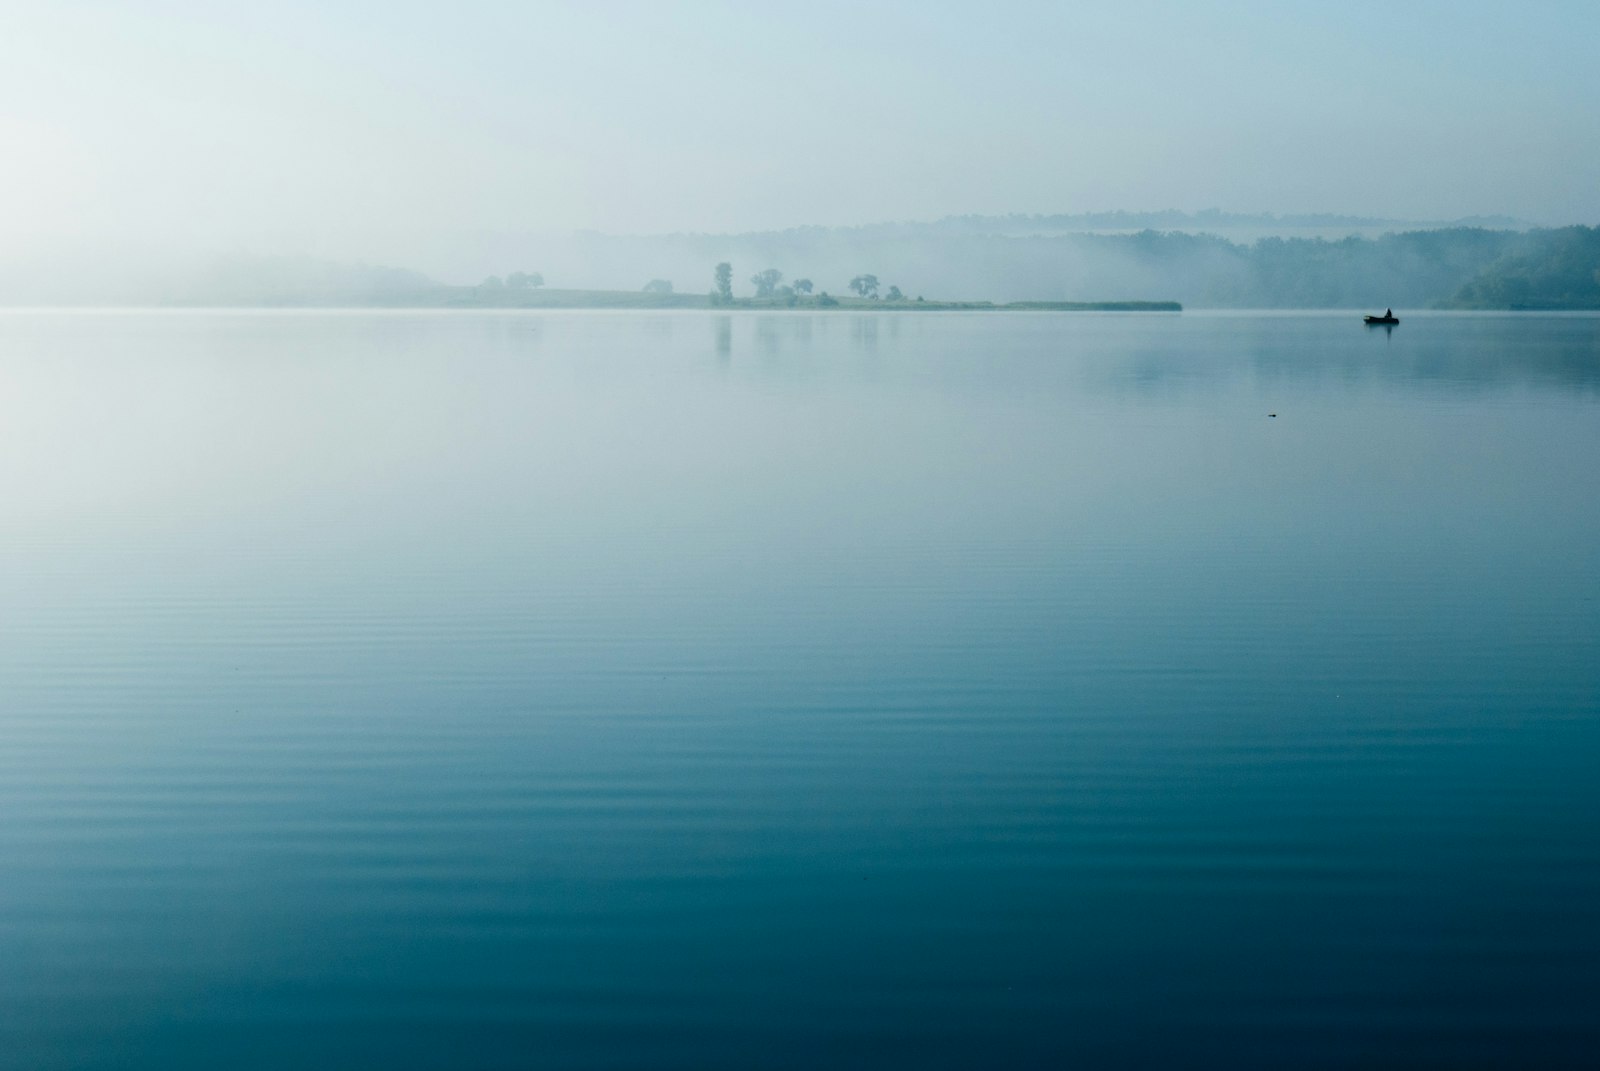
[{"x": 1460, "y": 267}]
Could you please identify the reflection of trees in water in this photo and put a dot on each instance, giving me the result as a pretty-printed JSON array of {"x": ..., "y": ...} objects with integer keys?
[
  {"x": 1000, "y": 353},
  {"x": 781, "y": 332},
  {"x": 507, "y": 331},
  {"x": 767, "y": 335},
  {"x": 864, "y": 332},
  {"x": 1456, "y": 352},
  {"x": 800, "y": 329},
  {"x": 774, "y": 334},
  {"x": 1473, "y": 352}
]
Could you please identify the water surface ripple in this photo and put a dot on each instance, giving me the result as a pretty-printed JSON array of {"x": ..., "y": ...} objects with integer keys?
[{"x": 508, "y": 690}]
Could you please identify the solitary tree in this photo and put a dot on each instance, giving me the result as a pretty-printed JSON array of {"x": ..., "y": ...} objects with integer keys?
[
  {"x": 802, "y": 286},
  {"x": 658, "y": 286},
  {"x": 766, "y": 282},
  {"x": 494, "y": 282},
  {"x": 865, "y": 285},
  {"x": 723, "y": 294},
  {"x": 894, "y": 294}
]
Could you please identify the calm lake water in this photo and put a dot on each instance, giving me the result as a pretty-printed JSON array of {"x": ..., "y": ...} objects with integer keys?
[{"x": 581, "y": 690}]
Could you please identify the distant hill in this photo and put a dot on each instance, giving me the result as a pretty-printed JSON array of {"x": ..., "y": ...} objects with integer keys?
[
  {"x": 947, "y": 262},
  {"x": 1555, "y": 269},
  {"x": 1414, "y": 269},
  {"x": 1209, "y": 221},
  {"x": 1456, "y": 267},
  {"x": 298, "y": 281}
]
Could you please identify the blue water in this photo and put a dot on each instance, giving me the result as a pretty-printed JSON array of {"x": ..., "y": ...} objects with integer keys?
[{"x": 581, "y": 690}]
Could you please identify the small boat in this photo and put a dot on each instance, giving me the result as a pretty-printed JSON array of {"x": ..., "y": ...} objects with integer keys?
[{"x": 1388, "y": 317}]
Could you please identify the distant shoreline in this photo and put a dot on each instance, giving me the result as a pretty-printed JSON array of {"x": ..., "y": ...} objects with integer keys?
[{"x": 477, "y": 297}]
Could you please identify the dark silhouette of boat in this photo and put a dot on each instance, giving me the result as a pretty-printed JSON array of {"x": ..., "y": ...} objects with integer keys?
[{"x": 1388, "y": 318}]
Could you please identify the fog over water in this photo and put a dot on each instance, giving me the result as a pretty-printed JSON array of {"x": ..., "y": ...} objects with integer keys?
[{"x": 152, "y": 139}]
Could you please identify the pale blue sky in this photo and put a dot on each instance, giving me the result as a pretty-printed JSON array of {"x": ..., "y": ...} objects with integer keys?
[{"x": 338, "y": 126}]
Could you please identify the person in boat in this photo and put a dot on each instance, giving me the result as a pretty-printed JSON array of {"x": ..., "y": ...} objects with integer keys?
[{"x": 1388, "y": 314}]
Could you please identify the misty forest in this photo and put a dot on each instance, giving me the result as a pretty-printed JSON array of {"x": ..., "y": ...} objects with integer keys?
[{"x": 951, "y": 263}]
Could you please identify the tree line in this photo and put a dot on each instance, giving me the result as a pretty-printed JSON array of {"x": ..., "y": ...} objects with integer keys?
[
  {"x": 1457, "y": 267},
  {"x": 770, "y": 287},
  {"x": 517, "y": 280}
]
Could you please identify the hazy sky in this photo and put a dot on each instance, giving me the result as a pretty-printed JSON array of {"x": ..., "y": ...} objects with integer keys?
[{"x": 328, "y": 125}]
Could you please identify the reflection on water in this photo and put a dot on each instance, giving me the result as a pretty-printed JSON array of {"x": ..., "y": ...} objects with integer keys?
[
  {"x": 1457, "y": 350},
  {"x": 727, "y": 690}
]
